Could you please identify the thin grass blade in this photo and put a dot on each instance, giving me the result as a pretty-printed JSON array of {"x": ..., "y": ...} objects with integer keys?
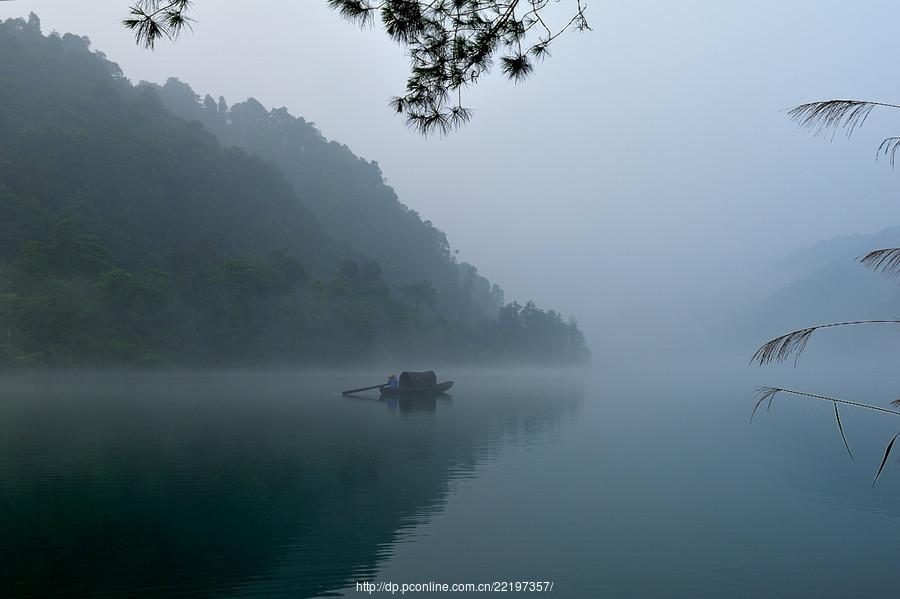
[
  {"x": 886, "y": 260},
  {"x": 837, "y": 416},
  {"x": 887, "y": 453},
  {"x": 764, "y": 394}
]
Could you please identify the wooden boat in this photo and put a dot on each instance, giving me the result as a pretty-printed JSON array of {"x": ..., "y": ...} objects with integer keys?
[
  {"x": 410, "y": 384},
  {"x": 428, "y": 391}
]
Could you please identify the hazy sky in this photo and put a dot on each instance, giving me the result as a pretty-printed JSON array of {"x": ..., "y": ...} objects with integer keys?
[{"x": 644, "y": 172}]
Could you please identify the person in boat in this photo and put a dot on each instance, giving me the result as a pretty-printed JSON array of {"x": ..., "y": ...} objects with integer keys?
[{"x": 392, "y": 382}]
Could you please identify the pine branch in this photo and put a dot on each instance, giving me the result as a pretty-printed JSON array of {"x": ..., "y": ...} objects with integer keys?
[
  {"x": 152, "y": 20},
  {"x": 451, "y": 44}
]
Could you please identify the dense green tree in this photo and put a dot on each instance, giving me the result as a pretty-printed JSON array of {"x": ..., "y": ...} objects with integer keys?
[
  {"x": 131, "y": 236},
  {"x": 349, "y": 198},
  {"x": 422, "y": 294}
]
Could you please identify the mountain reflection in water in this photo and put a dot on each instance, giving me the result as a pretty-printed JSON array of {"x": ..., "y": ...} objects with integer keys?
[{"x": 236, "y": 484}]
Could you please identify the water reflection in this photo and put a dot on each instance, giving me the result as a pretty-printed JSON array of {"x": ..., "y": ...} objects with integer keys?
[
  {"x": 405, "y": 404},
  {"x": 234, "y": 485}
]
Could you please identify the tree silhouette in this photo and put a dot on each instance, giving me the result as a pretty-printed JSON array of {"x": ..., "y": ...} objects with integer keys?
[{"x": 451, "y": 43}]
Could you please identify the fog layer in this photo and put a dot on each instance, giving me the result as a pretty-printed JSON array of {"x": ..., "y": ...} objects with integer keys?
[{"x": 644, "y": 178}]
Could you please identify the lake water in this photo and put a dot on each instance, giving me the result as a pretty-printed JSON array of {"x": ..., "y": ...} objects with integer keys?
[{"x": 630, "y": 481}]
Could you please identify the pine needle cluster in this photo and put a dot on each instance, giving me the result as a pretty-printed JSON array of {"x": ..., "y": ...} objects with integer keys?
[{"x": 451, "y": 44}]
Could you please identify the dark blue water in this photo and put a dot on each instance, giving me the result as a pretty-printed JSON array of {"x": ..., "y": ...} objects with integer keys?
[{"x": 643, "y": 480}]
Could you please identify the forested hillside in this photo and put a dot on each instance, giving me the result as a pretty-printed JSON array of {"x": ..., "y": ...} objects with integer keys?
[
  {"x": 140, "y": 226},
  {"x": 348, "y": 195}
]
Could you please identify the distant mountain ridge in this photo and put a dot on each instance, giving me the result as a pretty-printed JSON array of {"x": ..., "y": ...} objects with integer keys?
[
  {"x": 805, "y": 260},
  {"x": 828, "y": 284}
]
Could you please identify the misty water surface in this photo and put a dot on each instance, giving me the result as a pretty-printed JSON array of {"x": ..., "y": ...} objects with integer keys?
[{"x": 634, "y": 482}]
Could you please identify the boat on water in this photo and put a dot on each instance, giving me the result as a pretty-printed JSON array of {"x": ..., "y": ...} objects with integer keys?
[{"x": 416, "y": 384}]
